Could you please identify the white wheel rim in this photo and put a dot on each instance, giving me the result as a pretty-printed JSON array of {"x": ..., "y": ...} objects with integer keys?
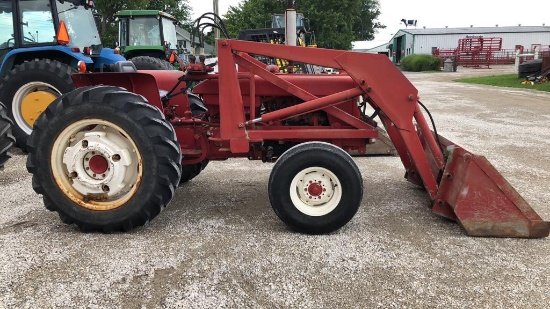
[
  {"x": 20, "y": 95},
  {"x": 96, "y": 164},
  {"x": 315, "y": 191}
]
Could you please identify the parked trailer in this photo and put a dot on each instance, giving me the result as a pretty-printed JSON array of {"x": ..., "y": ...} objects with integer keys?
[{"x": 109, "y": 155}]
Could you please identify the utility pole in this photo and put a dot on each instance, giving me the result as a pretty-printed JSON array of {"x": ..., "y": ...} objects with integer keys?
[
  {"x": 290, "y": 24},
  {"x": 216, "y": 11}
]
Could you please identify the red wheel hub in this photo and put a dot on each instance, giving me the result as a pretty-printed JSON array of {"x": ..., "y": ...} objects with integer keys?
[
  {"x": 315, "y": 189},
  {"x": 98, "y": 164}
]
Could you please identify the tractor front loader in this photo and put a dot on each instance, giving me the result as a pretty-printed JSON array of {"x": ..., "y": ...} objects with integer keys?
[{"x": 109, "y": 155}]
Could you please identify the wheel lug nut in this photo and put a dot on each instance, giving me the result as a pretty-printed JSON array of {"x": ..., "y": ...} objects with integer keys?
[
  {"x": 105, "y": 188},
  {"x": 84, "y": 144},
  {"x": 116, "y": 157}
]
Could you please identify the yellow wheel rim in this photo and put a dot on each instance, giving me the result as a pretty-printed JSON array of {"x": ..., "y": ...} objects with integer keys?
[
  {"x": 34, "y": 104},
  {"x": 29, "y": 101}
]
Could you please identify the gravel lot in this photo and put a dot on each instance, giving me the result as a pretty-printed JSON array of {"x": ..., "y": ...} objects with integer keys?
[{"x": 219, "y": 244}]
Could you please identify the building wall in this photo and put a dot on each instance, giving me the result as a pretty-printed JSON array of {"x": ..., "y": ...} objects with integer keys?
[
  {"x": 404, "y": 43},
  {"x": 423, "y": 43},
  {"x": 402, "y": 46}
]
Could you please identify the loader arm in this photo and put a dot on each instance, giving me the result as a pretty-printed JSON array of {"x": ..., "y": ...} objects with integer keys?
[
  {"x": 464, "y": 187},
  {"x": 375, "y": 76}
]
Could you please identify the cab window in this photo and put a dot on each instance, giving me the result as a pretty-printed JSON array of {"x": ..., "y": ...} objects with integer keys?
[
  {"x": 6, "y": 25},
  {"x": 37, "y": 24}
]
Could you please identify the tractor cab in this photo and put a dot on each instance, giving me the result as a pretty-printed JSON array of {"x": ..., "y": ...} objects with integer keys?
[
  {"x": 279, "y": 20},
  {"x": 43, "y": 23},
  {"x": 147, "y": 33}
]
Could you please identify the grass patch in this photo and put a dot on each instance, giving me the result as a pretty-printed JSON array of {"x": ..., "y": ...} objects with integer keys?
[
  {"x": 419, "y": 63},
  {"x": 507, "y": 80}
]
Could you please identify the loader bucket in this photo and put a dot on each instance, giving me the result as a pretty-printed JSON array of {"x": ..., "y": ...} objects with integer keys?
[
  {"x": 464, "y": 187},
  {"x": 473, "y": 193}
]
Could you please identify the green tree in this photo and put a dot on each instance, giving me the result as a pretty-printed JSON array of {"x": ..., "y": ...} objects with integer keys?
[
  {"x": 252, "y": 14},
  {"x": 336, "y": 23},
  {"x": 180, "y": 9}
]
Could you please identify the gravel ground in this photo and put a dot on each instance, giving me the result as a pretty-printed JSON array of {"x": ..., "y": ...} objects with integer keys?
[{"x": 219, "y": 244}]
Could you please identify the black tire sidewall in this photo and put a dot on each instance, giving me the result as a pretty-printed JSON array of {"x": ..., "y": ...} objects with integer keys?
[
  {"x": 151, "y": 63},
  {"x": 347, "y": 174},
  {"x": 6, "y": 138}
]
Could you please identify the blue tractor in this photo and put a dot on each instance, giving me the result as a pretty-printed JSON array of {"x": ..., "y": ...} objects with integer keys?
[{"x": 42, "y": 42}]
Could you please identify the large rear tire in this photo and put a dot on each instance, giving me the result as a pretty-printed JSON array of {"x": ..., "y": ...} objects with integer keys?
[
  {"x": 29, "y": 88},
  {"x": 104, "y": 159},
  {"x": 151, "y": 63},
  {"x": 315, "y": 188},
  {"x": 191, "y": 171},
  {"x": 6, "y": 139}
]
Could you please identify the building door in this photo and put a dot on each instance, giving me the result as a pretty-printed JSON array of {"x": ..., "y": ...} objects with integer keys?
[{"x": 398, "y": 49}]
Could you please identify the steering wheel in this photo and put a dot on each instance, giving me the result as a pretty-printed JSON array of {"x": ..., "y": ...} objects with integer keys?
[{"x": 9, "y": 43}]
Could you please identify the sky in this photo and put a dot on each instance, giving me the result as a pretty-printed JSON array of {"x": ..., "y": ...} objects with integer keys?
[
  {"x": 434, "y": 14},
  {"x": 205, "y": 6}
]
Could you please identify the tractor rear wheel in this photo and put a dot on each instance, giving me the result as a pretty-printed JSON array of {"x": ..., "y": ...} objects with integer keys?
[
  {"x": 151, "y": 63},
  {"x": 104, "y": 159},
  {"x": 6, "y": 139},
  {"x": 29, "y": 88},
  {"x": 191, "y": 171},
  {"x": 315, "y": 188}
]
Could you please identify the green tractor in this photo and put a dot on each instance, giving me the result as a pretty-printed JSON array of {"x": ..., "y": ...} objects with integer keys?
[{"x": 147, "y": 38}]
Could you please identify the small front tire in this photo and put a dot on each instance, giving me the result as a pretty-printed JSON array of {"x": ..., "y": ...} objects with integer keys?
[{"x": 315, "y": 188}]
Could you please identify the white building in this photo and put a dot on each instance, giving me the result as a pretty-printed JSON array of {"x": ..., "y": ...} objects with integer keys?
[
  {"x": 380, "y": 49},
  {"x": 184, "y": 40},
  {"x": 424, "y": 41}
]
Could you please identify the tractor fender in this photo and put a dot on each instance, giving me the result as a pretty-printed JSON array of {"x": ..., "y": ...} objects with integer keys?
[
  {"x": 25, "y": 54},
  {"x": 107, "y": 56},
  {"x": 138, "y": 82}
]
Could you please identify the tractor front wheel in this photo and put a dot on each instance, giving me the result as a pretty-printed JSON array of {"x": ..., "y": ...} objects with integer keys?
[
  {"x": 29, "y": 88},
  {"x": 315, "y": 188},
  {"x": 104, "y": 158}
]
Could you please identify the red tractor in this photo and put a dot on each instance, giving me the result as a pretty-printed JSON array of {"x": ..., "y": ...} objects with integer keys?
[{"x": 109, "y": 155}]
